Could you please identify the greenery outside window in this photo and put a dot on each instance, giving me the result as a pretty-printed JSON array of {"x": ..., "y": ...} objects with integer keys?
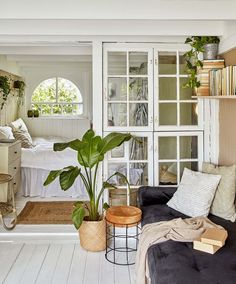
[{"x": 57, "y": 96}]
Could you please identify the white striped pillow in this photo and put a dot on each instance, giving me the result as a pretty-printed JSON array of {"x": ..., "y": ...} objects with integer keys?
[
  {"x": 24, "y": 137},
  {"x": 195, "y": 193}
]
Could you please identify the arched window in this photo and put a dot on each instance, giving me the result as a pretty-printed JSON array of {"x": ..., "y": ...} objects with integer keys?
[{"x": 57, "y": 96}]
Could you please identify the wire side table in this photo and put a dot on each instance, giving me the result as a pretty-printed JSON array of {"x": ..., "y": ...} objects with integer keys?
[
  {"x": 122, "y": 234},
  {"x": 8, "y": 207}
]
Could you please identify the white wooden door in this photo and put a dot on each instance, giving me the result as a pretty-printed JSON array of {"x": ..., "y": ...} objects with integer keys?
[
  {"x": 134, "y": 159},
  {"x": 128, "y": 89},
  {"x": 174, "y": 108},
  {"x": 173, "y": 152}
]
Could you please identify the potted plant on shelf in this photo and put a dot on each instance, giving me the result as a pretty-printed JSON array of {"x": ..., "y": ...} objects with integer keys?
[
  {"x": 20, "y": 85},
  {"x": 210, "y": 46},
  {"x": 90, "y": 152},
  {"x": 200, "y": 45}
]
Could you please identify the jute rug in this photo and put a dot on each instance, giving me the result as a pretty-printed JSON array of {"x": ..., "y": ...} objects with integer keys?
[{"x": 55, "y": 212}]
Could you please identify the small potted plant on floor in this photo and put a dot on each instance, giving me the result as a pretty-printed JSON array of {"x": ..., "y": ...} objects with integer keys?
[{"x": 90, "y": 152}]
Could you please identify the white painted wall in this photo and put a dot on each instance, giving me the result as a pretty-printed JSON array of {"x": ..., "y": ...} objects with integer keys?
[
  {"x": 10, "y": 66},
  {"x": 80, "y": 74}
]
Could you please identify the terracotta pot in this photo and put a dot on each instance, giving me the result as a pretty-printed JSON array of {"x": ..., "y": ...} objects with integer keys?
[{"x": 92, "y": 235}]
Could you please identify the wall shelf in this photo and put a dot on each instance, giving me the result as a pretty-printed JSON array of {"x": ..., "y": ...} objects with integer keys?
[{"x": 215, "y": 97}]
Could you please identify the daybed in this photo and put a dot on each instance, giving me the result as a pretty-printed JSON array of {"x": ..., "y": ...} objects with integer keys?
[{"x": 178, "y": 263}]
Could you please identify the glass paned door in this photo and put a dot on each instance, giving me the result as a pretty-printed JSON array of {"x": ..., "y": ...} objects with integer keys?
[
  {"x": 134, "y": 159},
  {"x": 174, "y": 108},
  {"x": 128, "y": 89},
  {"x": 173, "y": 152}
]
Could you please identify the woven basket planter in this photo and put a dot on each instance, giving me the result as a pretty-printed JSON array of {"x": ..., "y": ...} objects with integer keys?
[{"x": 92, "y": 235}]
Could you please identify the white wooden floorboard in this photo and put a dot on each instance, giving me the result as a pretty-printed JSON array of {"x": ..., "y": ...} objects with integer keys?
[
  {"x": 132, "y": 274},
  {"x": 34, "y": 265},
  {"x": 46, "y": 272},
  {"x": 122, "y": 274},
  {"x": 62, "y": 270},
  {"x": 92, "y": 272},
  {"x": 106, "y": 271},
  {"x": 20, "y": 265},
  {"x": 8, "y": 255},
  {"x": 78, "y": 264}
]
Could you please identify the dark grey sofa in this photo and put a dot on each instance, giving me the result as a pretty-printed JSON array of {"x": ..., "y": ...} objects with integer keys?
[{"x": 177, "y": 263}]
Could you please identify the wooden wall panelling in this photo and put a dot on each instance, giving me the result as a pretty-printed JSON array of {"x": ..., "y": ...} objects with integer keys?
[
  {"x": 227, "y": 132},
  {"x": 66, "y": 127},
  {"x": 227, "y": 121},
  {"x": 229, "y": 57}
]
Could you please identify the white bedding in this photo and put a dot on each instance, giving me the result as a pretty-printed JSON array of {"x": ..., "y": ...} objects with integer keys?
[
  {"x": 43, "y": 157},
  {"x": 38, "y": 161}
]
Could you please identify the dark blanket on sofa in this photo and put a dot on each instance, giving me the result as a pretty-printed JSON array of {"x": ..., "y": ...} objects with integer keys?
[{"x": 178, "y": 263}]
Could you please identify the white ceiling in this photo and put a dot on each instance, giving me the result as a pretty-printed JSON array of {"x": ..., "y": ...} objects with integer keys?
[
  {"x": 27, "y": 25},
  {"x": 119, "y": 9}
]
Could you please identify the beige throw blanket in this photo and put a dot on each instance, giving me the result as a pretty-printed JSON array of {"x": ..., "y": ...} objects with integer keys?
[{"x": 181, "y": 230}]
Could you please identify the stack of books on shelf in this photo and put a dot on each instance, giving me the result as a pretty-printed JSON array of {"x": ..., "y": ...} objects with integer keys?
[
  {"x": 211, "y": 240},
  {"x": 223, "y": 81},
  {"x": 203, "y": 75}
]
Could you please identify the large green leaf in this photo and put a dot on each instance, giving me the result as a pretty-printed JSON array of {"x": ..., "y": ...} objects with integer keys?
[
  {"x": 89, "y": 154},
  {"x": 52, "y": 176},
  {"x": 75, "y": 145},
  {"x": 112, "y": 141},
  {"x": 78, "y": 216},
  {"x": 68, "y": 177}
]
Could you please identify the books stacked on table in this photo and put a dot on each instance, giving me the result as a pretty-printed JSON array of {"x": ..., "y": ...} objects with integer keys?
[
  {"x": 223, "y": 81},
  {"x": 204, "y": 76},
  {"x": 211, "y": 240}
]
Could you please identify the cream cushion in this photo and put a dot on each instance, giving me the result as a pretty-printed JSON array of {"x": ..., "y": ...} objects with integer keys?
[
  {"x": 19, "y": 124},
  {"x": 6, "y": 132},
  {"x": 195, "y": 193},
  {"x": 24, "y": 137},
  {"x": 20, "y": 132},
  {"x": 223, "y": 203}
]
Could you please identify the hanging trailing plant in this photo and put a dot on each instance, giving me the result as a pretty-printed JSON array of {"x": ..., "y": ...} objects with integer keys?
[
  {"x": 20, "y": 85},
  {"x": 192, "y": 57},
  {"x": 4, "y": 90},
  {"x": 192, "y": 61}
]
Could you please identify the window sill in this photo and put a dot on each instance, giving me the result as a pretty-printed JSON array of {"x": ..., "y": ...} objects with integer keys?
[{"x": 76, "y": 117}]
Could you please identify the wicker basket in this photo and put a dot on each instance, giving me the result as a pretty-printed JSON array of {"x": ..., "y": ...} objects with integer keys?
[
  {"x": 92, "y": 235},
  {"x": 118, "y": 196}
]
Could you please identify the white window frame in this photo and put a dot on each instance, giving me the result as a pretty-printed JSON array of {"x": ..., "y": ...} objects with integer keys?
[
  {"x": 177, "y": 127},
  {"x": 177, "y": 134},
  {"x": 59, "y": 103},
  {"x": 149, "y": 76},
  {"x": 126, "y": 159}
]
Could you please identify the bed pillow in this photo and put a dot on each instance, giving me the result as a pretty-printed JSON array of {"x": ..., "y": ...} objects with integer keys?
[
  {"x": 19, "y": 124},
  {"x": 24, "y": 137},
  {"x": 195, "y": 193},
  {"x": 6, "y": 132},
  {"x": 223, "y": 202}
]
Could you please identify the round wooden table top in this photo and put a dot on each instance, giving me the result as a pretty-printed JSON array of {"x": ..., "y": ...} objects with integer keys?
[
  {"x": 4, "y": 178},
  {"x": 123, "y": 215}
]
